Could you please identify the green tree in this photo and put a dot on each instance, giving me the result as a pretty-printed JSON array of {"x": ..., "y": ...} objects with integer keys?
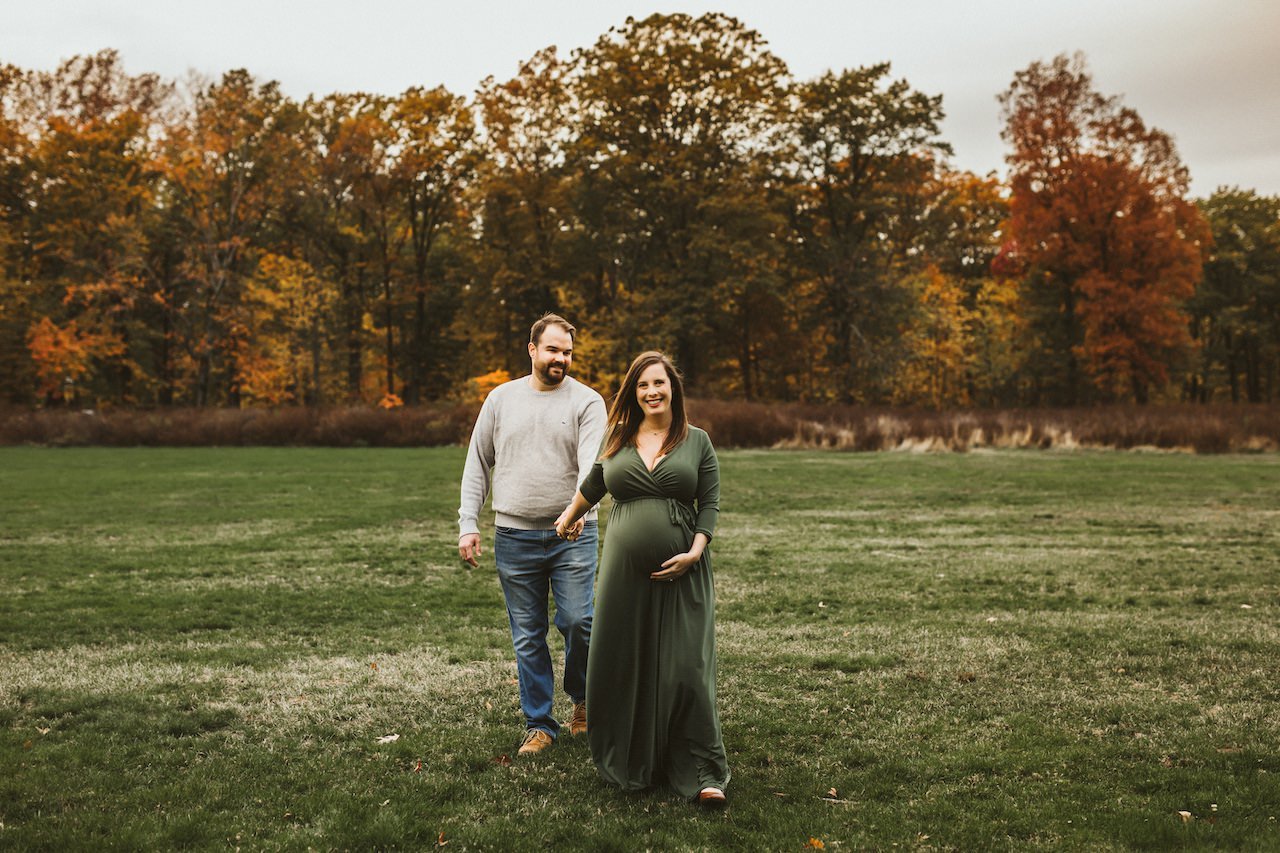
[
  {"x": 1236, "y": 310},
  {"x": 17, "y": 370},
  {"x": 436, "y": 159},
  {"x": 861, "y": 149},
  {"x": 521, "y": 198},
  {"x": 676, "y": 118}
]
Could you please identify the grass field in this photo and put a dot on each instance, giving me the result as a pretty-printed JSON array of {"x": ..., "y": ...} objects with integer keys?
[{"x": 208, "y": 648}]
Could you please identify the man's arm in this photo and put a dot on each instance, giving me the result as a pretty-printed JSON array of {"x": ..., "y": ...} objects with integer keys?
[
  {"x": 591, "y": 426},
  {"x": 476, "y": 481}
]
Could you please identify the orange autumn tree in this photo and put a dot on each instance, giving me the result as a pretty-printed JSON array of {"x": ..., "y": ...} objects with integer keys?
[
  {"x": 80, "y": 198},
  {"x": 1107, "y": 246},
  {"x": 64, "y": 355}
]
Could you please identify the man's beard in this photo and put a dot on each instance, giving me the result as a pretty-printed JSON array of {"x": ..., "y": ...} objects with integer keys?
[{"x": 547, "y": 377}]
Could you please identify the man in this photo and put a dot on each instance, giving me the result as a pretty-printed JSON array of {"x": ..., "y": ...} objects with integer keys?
[{"x": 537, "y": 437}]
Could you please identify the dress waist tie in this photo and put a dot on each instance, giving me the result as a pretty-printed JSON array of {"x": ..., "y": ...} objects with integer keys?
[{"x": 680, "y": 513}]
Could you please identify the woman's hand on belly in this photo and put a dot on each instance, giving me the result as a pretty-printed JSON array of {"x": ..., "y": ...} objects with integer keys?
[{"x": 678, "y": 565}]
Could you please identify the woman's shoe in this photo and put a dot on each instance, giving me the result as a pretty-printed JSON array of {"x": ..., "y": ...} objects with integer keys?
[{"x": 711, "y": 797}]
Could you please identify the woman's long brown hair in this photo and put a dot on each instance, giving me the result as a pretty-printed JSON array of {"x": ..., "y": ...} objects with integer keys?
[{"x": 625, "y": 414}]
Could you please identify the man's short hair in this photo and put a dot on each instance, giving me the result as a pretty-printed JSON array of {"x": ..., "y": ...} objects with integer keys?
[{"x": 549, "y": 319}]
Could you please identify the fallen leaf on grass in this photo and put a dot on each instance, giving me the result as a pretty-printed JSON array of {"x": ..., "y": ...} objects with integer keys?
[
  {"x": 42, "y": 730},
  {"x": 967, "y": 677},
  {"x": 417, "y": 768},
  {"x": 388, "y": 738},
  {"x": 815, "y": 844},
  {"x": 373, "y": 666},
  {"x": 831, "y": 792},
  {"x": 1230, "y": 748},
  {"x": 440, "y": 842},
  {"x": 1186, "y": 816},
  {"x": 503, "y": 760},
  {"x": 1246, "y": 606}
]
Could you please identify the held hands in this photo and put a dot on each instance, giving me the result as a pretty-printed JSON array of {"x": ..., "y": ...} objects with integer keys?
[{"x": 568, "y": 530}]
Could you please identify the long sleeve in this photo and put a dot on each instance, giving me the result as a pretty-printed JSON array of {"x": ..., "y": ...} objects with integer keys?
[
  {"x": 591, "y": 425},
  {"x": 708, "y": 498},
  {"x": 478, "y": 469},
  {"x": 593, "y": 487}
]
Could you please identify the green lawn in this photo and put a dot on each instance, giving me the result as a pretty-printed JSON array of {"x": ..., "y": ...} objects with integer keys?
[{"x": 203, "y": 648}]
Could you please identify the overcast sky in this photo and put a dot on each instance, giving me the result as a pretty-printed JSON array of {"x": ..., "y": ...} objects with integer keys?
[{"x": 1205, "y": 71}]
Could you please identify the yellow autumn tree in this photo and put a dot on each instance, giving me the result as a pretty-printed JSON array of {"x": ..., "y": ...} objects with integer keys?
[
  {"x": 994, "y": 336},
  {"x": 938, "y": 343},
  {"x": 279, "y": 339},
  {"x": 478, "y": 387}
]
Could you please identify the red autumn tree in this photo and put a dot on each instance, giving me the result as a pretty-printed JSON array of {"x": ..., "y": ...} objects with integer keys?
[{"x": 1101, "y": 231}]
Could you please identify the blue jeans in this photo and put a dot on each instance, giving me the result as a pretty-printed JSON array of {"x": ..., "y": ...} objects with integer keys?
[{"x": 529, "y": 563}]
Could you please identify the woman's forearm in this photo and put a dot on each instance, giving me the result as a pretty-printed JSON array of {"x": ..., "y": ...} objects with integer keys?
[{"x": 577, "y": 508}]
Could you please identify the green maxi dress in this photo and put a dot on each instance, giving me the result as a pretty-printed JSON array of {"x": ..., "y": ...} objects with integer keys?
[{"x": 651, "y": 671}]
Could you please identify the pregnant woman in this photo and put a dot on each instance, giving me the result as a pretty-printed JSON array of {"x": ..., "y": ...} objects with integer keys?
[{"x": 651, "y": 671}]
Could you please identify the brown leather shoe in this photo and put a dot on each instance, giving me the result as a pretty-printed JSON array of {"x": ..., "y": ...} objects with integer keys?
[
  {"x": 578, "y": 720},
  {"x": 711, "y": 797},
  {"x": 535, "y": 740}
]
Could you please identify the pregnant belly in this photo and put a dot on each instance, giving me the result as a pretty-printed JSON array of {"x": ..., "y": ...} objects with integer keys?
[{"x": 641, "y": 535}]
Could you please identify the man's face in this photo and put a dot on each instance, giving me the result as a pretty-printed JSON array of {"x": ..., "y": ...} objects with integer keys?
[{"x": 552, "y": 355}]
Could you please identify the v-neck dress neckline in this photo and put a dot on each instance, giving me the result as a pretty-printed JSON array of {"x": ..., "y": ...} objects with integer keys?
[{"x": 656, "y": 462}]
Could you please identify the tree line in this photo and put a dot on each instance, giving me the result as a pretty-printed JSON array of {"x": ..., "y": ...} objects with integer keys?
[{"x": 672, "y": 186}]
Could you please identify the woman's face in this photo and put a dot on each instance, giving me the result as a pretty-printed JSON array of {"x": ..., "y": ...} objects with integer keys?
[{"x": 653, "y": 391}]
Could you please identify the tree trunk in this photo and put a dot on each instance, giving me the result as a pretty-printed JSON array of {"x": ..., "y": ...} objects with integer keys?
[
  {"x": 745, "y": 362},
  {"x": 1141, "y": 392},
  {"x": 390, "y": 340},
  {"x": 355, "y": 371},
  {"x": 315, "y": 396},
  {"x": 1253, "y": 373}
]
